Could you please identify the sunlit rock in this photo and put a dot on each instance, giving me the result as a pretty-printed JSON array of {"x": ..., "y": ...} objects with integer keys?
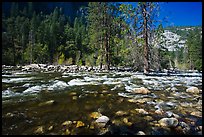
[
  {"x": 121, "y": 113},
  {"x": 196, "y": 113},
  {"x": 193, "y": 90},
  {"x": 125, "y": 120},
  {"x": 141, "y": 90},
  {"x": 50, "y": 102},
  {"x": 102, "y": 121},
  {"x": 80, "y": 124},
  {"x": 168, "y": 122},
  {"x": 95, "y": 115},
  {"x": 140, "y": 133},
  {"x": 39, "y": 130},
  {"x": 141, "y": 111},
  {"x": 67, "y": 123}
]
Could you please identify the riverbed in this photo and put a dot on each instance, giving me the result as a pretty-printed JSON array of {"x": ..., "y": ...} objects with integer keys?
[{"x": 43, "y": 102}]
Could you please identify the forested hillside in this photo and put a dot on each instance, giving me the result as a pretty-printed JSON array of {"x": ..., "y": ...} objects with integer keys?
[{"x": 103, "y": 34}]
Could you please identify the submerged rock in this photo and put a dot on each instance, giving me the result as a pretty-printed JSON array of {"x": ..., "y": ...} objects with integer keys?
[
  {"x": 125, "y": 120},
  {"x": 159, "y": 112},
  {"x": 141, "y": 90},
  {"x": 141, "y": 111},
  {"x": 185, "y": 127},
  {"x": 95, "y": 115},
  {"x": 80, "y": 124},
  {"x": 140, "y": 133},
  {"x": 121, "y": 113},
  {"x": 168, "y": 122},
  {"x": 193, "y": 90},
  {"x": 102, "y": 121},
  {"x": 67, "y": 123},
  {"x": 197, "y": 114},
  {"x": 39, "y": 130},
  {"x": 50, "y": 102}
]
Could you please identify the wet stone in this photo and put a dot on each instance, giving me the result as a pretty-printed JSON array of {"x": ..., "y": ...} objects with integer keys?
[
  {"x": 121, "y": 113},
  {"x": 141, "y": 90},
  {"x": 168, "y": 122},
  {"x": 50, "y": 102},
  {"x": 80, "y": 124},
  {"x": 193, "y": 90},
  {"x": 142, "y": 111},
  {"x": 197, "y": 113},
  {"x": 140, "y": 133},
  {"x": 39, "y": 130},
  {"x": 102, "y": 121},
  {"x": 95, "y": 115},
  {"x": 67, "y": 123}
]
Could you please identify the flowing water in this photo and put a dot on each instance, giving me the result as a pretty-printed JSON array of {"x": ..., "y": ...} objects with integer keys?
[{"x": 74, "y": 96}]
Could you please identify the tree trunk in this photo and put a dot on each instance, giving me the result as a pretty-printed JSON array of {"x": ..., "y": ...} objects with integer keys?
[{"x": 146, "y": 64}]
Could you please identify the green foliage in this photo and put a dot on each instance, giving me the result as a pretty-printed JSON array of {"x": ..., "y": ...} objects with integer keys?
[
  {"x": 105, "y": 34},
  {"x": 61, "y": 59}
]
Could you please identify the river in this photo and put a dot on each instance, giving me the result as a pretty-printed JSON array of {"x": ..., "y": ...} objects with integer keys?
[{"x": 40, "y": 102}]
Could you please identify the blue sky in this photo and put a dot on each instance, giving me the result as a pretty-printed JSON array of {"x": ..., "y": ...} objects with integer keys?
[{"x": 180, "y": 13}]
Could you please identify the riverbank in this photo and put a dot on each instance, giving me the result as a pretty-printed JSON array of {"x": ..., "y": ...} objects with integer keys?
[{"x": 76, "y": 68}]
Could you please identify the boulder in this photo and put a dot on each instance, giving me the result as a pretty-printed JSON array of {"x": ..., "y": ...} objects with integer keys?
[
  {"x": 193, "y": 90},
  {"x": 141, "y": 90},
  {"x": 168, "y": 122},
  {"x": 102, "y": 121}
]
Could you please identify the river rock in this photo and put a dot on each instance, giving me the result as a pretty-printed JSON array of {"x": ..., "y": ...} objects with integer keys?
[
  {"x": 168, "y": 122},
  {"x": 67, "y": 123},
  {"x": 39, "y": 130},
  {"x": 80, "y": 124},
  {"x": 121, "y": 113},
  {"x": 8, "y": 115},
  {"x": 50, "y": 128},
  {"x": 196, "y": 113},
  {"x": 141, "y": 90},
  {"x": 125, "y": 120},
  {"x": 141, "y": 111},
  {"x": 185, "y": 127},
  {"x": 193, "y": 90},
  {"x": 95, "y": 115},
  {"x": 140, "y": 133},
  {"x": 159, "y": 112},
  {"x": 171, "y": 114},
  {"x": 50, "y": 102},
  {"x": 102, "y": 121}
]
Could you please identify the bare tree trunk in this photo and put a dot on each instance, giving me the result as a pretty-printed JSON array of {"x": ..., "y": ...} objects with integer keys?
[{"x": 146, "y": 64}]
